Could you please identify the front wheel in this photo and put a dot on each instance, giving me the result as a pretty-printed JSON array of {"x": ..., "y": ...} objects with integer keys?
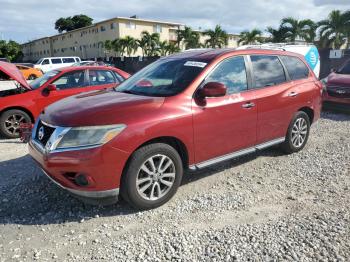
[
  {"x": 297, "y": 134},
  {"x": 152, "y": 176},
  {"x": 10, "y": 122}
]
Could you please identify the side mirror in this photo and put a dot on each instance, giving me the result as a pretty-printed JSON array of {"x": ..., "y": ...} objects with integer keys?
[
  {"x": 213, "y": 89},
  {"x": 46, "y": 91},
  {"x": 51, "y": 87}
]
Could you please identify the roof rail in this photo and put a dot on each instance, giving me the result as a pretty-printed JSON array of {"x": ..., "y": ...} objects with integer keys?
[{"x": 273, "y": 46}]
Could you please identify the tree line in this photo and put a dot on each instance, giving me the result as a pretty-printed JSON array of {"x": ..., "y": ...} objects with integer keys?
[{"x": 332, "y": 32}]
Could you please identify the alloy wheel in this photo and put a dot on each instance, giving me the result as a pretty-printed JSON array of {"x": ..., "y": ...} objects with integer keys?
[
  {"x": 12, "y": 123},
  {"x": 299, "y": 132},
  {"x": 155, "y": 177}
]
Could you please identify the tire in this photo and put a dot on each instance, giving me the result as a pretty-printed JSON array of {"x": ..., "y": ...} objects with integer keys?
[
  {"x": 139, "y": 181},
  {"x": 297, "y": 134},
  {"x": 10, "y": 121},
  {"x": 32, "y": 77}
]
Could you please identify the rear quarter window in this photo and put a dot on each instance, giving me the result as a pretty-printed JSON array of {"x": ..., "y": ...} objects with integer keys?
[
  {"x": 295, "y": 67},
  {"x": 267, "y": 71},
  {"x": 68, "y": 60}
]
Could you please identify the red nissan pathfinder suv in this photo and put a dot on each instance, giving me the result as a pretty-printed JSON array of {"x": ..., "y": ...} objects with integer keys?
[{"x": 189, "y": 110}]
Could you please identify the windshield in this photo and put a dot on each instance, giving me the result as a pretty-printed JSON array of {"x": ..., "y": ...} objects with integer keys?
[
  {"x": 43, "y": 79},
  {"x": 39, "y": 61},
  {"x": 163, "y": 78},
  {"x": 345, "y": 69}
]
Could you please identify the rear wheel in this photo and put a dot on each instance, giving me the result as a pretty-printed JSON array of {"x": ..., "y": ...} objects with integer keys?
[
  {"x": 297, "y": 134},
  {"x": 10, "y": 122},
  {"x": 152, "y": 176}
]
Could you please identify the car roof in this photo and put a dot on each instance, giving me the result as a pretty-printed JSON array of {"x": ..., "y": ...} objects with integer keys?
[
  {"x": 82, "y": 67},
  {"x": 211, "y": 53}
]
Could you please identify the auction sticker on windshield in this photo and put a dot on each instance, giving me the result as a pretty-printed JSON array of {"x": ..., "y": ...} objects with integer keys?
[{"x": 196, "y": 64}]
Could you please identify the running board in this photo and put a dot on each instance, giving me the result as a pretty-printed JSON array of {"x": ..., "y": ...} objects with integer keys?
[{"x": 236, "y": 154}]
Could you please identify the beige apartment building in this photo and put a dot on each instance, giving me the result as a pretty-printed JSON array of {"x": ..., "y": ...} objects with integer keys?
[{"x": 88, "y": 42}]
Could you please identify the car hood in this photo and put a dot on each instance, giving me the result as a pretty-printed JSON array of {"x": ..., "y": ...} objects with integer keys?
[
  {"x": 338, "y": 80},
  {"x": 103, "y": 107},
  {"x": 12, "y": 71}
]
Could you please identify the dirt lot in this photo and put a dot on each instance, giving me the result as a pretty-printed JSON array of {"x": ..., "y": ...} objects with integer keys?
[{"x": 266, "y": 206}]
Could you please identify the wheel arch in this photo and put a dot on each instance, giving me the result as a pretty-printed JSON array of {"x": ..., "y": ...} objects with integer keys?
[
  {"x": 309, "y": 111},
  {"x": 19, "y": 108},
  {"x": 172, "y": 141}
]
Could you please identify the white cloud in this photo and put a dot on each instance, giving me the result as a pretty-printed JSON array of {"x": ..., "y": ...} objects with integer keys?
[{"x": 30, "y": 19}]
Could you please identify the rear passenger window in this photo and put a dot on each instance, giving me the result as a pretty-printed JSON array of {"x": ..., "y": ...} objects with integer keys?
[
  {"x": 232, "y": 73},
  {"x": 56, "y": 61},
  {"x": 267, "y": 71},
  {"x": 295, "y": 67},
  {"x": 101, "y": 77},
  {"x": 68, "y": 60}
]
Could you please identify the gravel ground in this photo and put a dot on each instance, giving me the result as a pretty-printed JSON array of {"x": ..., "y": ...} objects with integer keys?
[{"x": 266, "y": 206}]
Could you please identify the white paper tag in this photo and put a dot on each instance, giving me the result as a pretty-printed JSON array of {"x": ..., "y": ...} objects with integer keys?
[{"x": 196, "y": 64}]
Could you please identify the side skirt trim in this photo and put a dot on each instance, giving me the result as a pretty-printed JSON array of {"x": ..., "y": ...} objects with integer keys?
[{"x": 236, "y": 154}]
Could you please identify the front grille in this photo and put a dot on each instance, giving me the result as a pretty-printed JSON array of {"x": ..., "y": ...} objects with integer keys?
[
  {"x": 43, "y": 133},
  {"x": 339, "y": 91}
]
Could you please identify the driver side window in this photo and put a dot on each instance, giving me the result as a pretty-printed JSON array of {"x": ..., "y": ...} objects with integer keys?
[
  {"x": 232, "y": 73},
  {"x": 70, "y": 80},
  {"x": 46, "y": 62}
]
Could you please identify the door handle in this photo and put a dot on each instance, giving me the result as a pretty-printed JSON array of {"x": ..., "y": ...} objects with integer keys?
[
  {"x": 248, "y": 105},
  {"x": 293, "y": 94}
]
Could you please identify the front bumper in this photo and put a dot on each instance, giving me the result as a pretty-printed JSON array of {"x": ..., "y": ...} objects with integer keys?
[{"x": 102, "y": 165}]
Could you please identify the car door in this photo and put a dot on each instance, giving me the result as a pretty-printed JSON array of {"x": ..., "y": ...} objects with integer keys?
[
  {"x": 101, "y": 79},
  {"x": 67, "y": 84},
  {"x": 46, "y": 65},
  {"x": 274, "y": 97},
  {"x": 225, "y": 124}
]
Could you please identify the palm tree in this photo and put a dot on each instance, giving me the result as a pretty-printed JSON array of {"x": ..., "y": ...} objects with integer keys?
[
  {"x": 117, "y": 46},
  {"x": 151, "y": 43},
  {"x": 335, "y": 30},
  {"x": 304, "y": 29},
  {"x": 130, "y": 44},
  {"x": 172, "y": 48},
  {"x": 142, "y": 43},
  {"x": 162, "y": 48},
  {"x": 250, "y": 37},
  {"x": 217, "y": 37},
  {"x": 166, "y": 48},
  {"x": 189, "y": 37},
  {"x": 277, "y": 35}
]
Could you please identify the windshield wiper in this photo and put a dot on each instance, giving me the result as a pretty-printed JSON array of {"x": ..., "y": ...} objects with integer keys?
[{"x": 128, "y": 92}]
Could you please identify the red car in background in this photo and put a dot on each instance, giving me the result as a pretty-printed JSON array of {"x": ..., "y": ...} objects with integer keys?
[
  {"x": 24, "y": 103},
  {"x": 337, "y": 86}
]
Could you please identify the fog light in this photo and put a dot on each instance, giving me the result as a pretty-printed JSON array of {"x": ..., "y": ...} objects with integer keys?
[{"x": 81, "y": 180}]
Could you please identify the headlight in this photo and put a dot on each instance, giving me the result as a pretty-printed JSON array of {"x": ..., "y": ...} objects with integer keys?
[{"x": 89, "y": 136}]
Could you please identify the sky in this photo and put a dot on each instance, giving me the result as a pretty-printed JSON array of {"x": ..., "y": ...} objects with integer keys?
[{"x": 24, "y": 20}]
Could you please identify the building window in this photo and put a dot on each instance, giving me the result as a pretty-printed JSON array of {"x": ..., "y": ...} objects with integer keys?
[
  {"x": 131, "y": 25},
  {"x": 113, "y": 25},
  {"x": 157, "y": 28},
  {"x": 103, "y": 28}
]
